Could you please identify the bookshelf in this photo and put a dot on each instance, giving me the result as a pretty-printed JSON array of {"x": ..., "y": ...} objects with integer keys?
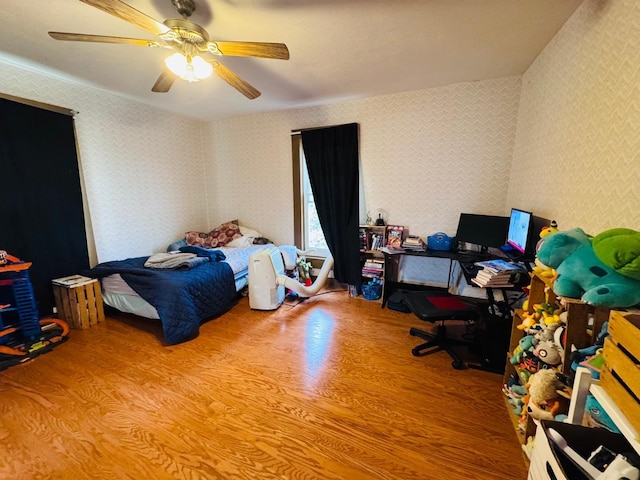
[{"x": 372, "y": 238}]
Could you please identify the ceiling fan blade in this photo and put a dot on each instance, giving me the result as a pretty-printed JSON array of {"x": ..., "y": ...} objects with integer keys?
[
  {"x": 82, "y": 37},
  {"x": 164, "y": 82},
  {"x": 250, "y": 49},
  {"x": 235, "y": 81},
  {"x": 129, "y": 14}
]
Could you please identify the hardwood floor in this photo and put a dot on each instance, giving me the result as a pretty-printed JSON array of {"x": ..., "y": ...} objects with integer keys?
[{"x": 327, "y": 389}]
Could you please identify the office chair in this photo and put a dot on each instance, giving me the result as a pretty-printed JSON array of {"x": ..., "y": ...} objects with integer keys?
[{"x": 438, "y": 306}]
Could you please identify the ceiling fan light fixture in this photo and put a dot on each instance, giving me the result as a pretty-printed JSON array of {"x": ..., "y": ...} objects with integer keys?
[{"x": 191, "y": 69}]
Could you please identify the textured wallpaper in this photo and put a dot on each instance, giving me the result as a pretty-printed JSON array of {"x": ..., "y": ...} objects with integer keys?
[
  {"x": 425, "y": 157},
  {"x": 577, "y": 151},
  {"x": 563, "y": 140},
  {"x": 142, "y": 169}
]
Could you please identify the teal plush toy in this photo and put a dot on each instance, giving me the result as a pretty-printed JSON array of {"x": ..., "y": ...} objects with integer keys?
[{"x": 602, "y": 271}]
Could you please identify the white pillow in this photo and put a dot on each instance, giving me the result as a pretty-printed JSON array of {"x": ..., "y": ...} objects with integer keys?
[
  {"x": 246, "y": 231},
  {"x": 246, "y": 240},
  {"x": 240, "y": 242}
]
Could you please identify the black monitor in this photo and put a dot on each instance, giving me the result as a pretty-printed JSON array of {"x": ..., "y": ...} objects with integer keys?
[
  {"x": 519, "y": 230},
  {"x": 482, "y": 230},
  {"x": 523, "y": 234}
]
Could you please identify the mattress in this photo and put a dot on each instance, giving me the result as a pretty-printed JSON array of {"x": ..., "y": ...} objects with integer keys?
[{"x": 118, "y": 294}]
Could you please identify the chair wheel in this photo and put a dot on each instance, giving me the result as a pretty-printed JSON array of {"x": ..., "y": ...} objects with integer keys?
[{"x": 457, "y": 364}]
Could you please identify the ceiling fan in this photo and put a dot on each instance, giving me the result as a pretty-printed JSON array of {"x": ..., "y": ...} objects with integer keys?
[{"x": 194, "y": 57}]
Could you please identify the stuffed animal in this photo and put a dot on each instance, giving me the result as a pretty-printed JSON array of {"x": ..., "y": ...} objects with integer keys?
[
  {"x": 539, "y": 268},
  {"x": 596, "y": 416},
  {"x": 515, "y": 396},
  {"x": 549, "y": 353},
  {"x": 602, "y": 271},
  {"x": 528, "y": 322},
  {"x": 515, "y": 392},
  {"x": 552, "y": 228},
  {"x": 529, "y": 362},
  {"x": 547, "y": 397},
  {"x": 524, "y": 345},
  {"x": 547, "y": 333},
  {"x": 304, "y": 267}
]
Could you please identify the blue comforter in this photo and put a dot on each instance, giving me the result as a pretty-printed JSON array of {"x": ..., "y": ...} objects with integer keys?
[{"x": 183, "y": 298}]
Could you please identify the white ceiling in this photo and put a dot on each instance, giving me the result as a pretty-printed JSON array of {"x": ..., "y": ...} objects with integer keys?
[{"x": 339, "y": 49}]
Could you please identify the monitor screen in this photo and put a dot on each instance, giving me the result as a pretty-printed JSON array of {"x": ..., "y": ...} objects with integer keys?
[
  {"x": 483, "y": 230},
  {"x": 519, "y": 228}
]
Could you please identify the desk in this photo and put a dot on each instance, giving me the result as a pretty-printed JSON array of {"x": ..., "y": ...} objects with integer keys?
[
  {"x": 496, "y": 326},
  {"x": 392, "y": 264},
  {"x": 392, "y": 267},
  {"x": 465, "y": 260},
  {"x": 505, "y": 309}
]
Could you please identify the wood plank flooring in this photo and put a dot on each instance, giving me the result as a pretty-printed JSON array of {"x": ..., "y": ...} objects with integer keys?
[{"x": 326, "y": 389}]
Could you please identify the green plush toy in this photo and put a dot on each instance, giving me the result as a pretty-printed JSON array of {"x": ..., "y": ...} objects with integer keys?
[{"x": 602, "y": 271}]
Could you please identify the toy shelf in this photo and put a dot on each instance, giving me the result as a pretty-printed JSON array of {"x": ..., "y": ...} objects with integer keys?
[{"x": 583, "y": 323}]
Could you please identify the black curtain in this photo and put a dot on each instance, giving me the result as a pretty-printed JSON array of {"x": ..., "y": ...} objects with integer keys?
[
  {"x": 41, "y": 213},
  {"x": 332, "y": 161}
]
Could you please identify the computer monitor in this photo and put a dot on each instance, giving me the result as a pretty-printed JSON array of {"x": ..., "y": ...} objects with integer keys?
[
  {"x": 483, "y": 230},
  {"x": 537, "y": 224},
  {"x": 519, "y": 230}
]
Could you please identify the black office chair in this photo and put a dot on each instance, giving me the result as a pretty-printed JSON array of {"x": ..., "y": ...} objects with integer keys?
[{"x": 439, "y": 306}]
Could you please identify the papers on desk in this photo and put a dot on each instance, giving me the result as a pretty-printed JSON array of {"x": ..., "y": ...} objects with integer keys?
[{"x": 498, "y": 274}]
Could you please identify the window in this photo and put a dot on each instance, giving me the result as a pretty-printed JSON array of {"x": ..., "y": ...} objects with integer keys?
[{"x": 307, "y": 231}]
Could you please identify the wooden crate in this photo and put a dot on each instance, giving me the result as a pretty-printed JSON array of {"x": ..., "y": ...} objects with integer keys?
[
  {"x": 620, "y": 376},
  {"x": 78, "y": 301}
]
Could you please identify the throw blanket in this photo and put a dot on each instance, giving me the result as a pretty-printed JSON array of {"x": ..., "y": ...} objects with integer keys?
[
  {"x": 213, "y": 255},
  {"x": 183, "y": 298},
  {"x": 174, "y": 260}
]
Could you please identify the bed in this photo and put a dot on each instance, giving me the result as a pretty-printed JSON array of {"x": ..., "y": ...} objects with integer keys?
[{"x": 181, "y": 298}]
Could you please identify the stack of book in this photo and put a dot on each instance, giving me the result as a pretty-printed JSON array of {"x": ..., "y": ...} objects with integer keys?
[
  {"x": 414, "y": 243},
  {"x": 373, "y": 268},
  {"x": 498, "y": 273}
]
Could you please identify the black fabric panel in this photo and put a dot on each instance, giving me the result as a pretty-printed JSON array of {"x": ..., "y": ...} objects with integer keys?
[
  {"x": 332, "y": 161},
  {"x": 41, "y": 213}
]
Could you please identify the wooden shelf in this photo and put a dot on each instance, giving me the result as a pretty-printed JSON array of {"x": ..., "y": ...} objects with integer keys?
[{"x": 583, "y": 323}]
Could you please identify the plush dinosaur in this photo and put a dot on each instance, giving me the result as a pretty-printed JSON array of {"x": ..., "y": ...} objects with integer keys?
[{"x": 602, "y": 271}]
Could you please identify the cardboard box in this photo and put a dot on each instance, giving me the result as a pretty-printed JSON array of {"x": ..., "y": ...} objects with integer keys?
[{"x": 78, "y": 300}]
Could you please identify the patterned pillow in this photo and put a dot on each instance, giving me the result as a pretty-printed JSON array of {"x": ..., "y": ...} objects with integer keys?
[
  {"x": 218, "y": 237},
  {"x": 225, "y": 233},
  {"x": 198, "y": 238}
]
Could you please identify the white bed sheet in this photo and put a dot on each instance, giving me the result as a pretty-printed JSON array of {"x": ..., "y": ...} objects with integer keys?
[{"x": 118, "y": 294}]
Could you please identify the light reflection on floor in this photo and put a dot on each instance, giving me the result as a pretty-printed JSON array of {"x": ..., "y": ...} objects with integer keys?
[{"x": 318, "y": 339}]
